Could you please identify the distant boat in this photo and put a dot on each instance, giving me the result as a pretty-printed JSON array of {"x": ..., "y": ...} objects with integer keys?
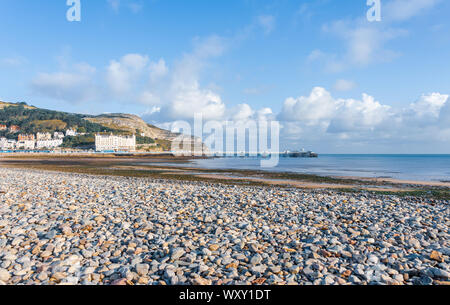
[
  {"x": 300, "y": 154},
  {"x": 265, "y": 154}
]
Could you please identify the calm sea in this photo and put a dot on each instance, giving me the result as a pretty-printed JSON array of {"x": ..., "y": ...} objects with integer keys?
[{"x": 408, "y": 167}]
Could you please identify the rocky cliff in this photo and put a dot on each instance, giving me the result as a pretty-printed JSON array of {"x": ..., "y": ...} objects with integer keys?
[{"x": 132, "y": 124}]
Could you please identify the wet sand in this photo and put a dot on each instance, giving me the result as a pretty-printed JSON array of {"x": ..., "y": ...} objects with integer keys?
[{"x": 153, "y": 166}]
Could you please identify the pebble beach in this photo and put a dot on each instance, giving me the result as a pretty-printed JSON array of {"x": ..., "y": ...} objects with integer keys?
[{"x": 66, "y": 228}]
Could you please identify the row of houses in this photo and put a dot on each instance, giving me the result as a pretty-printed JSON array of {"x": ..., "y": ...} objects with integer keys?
[
  {"x": 28, "y": 144},
  {"x": 41, "y": 136},
  {"x": 42, "y": 140},
  {"x": 12, "y": 128},
  {"x": 45, "y": 140}
]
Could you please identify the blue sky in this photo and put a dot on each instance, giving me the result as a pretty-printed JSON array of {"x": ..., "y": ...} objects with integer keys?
[{"x": 304, "y": 63}]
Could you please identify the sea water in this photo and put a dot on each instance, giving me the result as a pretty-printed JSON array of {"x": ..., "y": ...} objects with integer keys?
[{"x": 404, "y": 167}]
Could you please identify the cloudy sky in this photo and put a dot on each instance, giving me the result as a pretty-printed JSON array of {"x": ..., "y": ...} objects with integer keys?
[{"x": 336, "y": 82}]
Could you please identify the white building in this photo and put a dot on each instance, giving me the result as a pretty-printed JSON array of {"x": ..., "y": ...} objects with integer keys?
[
  {"x": 115, "y": 143},
  {"x": 26, "y": 144},
  {"x": 52, "y": 143},
  {"x": 71, "y": 133},
  {"x": 43, "y": 136},
  {"x": 58, "y": 135},
  {"x": 7, "y": 144}
]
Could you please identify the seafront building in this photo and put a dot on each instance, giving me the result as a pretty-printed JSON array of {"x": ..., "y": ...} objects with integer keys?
[
  {"x": 52, "y": 143},
  {"x": 26, "y": 141},
  {"x": 26, "y": 137},
  {"x": 14, "y": 128},
  {"x": 26, "y": 144},
  {"x": 7, "y": 144},
  {"x": 71, "y": 133},
  {"x": 113, "y": 142},
  {"x": 58, "y": 135},
  {"x": 32, "y": 142},
  {"x": 42, "y": 136},
  {"x": 46, "y": 140}
]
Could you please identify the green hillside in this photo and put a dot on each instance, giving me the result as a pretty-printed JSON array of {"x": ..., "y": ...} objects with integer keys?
[{"x": 32, "y": 120}]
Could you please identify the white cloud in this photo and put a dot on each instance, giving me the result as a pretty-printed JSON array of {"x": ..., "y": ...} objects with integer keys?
[
  {"x": 332, "y": 115},
  {"x": 252, "y": 91},
  {"x": 315, "y": 55},
  {"x": 265, "y": 114},
  {"x": 73, "y": 86},
  {"x": 356, "y": 116},
  {"x": 176, "y": 93},
  {"x": 426, "y": 110},
  {"x": 310, "y": 110},
  {"x": 136, "y": 78},
  {"x": 127, "y": 79},
  {"x": 310, "y": 120},
  {"x": 258, "y": 90},
  {"x": 366, "y": 43},
  {"x": 14, "y": 61},
  {"x": 444, "y": 117},
  {"x": 182, "y": 96},
  {"x": 149, "y": 98},
  {"x": 344, "y": 85},
  {"x": 402, "y": 10},
  {"x": 158, "y": 70},
  {"x": 304, "y": 11},
  {"x": 326, "y": 121},
  {"x": 211, "y": 46},
  {"x": 84, "y": 68},
  {"x": 243, "y": 112},
  {"x": 121, "y": 74},
  {"x": 429, "y": 105},
  {"x": 64, "y": 86},
  {"x": 267, "y": 23},
  {"x": 188, "y": 101}
]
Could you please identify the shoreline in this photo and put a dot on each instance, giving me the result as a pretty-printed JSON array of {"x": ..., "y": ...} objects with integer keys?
[
  {"x": 338, "y": 177},
  {"x": 169, "y": 158},
  {"x": 154, "y": 167},
  {"x": 401, "y": 181}
]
